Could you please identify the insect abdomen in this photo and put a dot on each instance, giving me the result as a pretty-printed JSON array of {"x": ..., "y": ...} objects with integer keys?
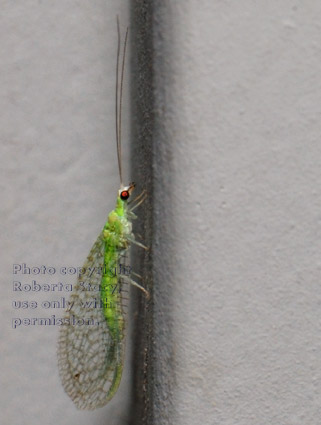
[{"x": 111, "y": 295}]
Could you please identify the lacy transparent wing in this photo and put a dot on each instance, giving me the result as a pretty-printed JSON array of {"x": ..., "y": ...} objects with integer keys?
[{"x": 87, "y": 355}]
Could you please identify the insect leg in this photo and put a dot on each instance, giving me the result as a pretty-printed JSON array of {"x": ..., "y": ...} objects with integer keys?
[
  {"x": 134, "y": 242},
  {"x": 139, "y": 203},
  {"x": 134, "y": 283},
  {"x": 137, "y": 197},
  {"x": 131, "y": 215}
]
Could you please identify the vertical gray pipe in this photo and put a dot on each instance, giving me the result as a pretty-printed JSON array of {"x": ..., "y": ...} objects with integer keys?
[{"x": 142, "y": 171}]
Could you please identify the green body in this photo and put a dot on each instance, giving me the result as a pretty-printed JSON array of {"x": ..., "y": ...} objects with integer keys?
[
  {"x": 91, "y": 355},
  {"x": 115, "y": 233}
]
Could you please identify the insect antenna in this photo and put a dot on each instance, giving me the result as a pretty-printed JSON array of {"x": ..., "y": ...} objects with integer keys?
[{"x": 119, "y": 96}]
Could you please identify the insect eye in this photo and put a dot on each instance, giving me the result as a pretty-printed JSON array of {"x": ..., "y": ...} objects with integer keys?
[{"x": 124, "y": 195}]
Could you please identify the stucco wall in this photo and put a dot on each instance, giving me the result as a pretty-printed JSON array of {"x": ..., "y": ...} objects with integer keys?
[{"x": 237, "y": 212}]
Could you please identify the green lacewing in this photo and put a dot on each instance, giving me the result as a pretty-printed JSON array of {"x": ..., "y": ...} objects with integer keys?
[{"x": 91, "y": 339}]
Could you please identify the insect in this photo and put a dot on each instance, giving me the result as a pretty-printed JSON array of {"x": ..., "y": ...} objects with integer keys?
[{"x": 91, "y": 339}]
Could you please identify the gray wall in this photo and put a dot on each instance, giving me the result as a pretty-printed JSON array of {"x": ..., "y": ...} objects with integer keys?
[
  {"x": 59, "y": 182},
  {"x": 233, "y": 153},
  {"x": 237, "y": 212}
]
